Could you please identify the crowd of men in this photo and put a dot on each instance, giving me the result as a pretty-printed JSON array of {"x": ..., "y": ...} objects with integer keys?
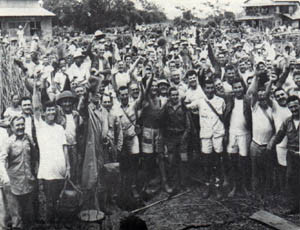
[{"x": 172, "y": 107}]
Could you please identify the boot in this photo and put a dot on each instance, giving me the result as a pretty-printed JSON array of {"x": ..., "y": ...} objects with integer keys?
[
  {"x": 224, "y": 169},
  {"x": 134, "y": 192},
  {"x": 233, "y": 163},
  {"x": 162, "y": 170},
  {"x": 207, "y": 191},
  {"x": 243, "y": 166}
]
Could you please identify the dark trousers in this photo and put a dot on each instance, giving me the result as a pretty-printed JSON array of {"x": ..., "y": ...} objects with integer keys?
[
  {"x": 20, "y": 209},
  {"x": 293, "y": 178},
  {"x": 262, "y": 168},
  {"x": 52, "y": 190},
  {"x": 25, "y": 203},
  {"x": 74, "y": 159}
]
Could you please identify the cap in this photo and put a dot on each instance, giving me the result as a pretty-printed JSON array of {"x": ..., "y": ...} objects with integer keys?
[{"x": 163, "y": 81}]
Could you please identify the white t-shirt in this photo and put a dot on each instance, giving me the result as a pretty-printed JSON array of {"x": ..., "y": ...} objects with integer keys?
[
  {"x": 237, "y": 120},
  {"x": 122, "y": 79},
  {"x": 51, "y": 139},
  {"x": 262, "y": 127},
  {"x": 82, "y": 73},
  {"x": 60, "y": 80},
  {"x": 280, "y": 114}
]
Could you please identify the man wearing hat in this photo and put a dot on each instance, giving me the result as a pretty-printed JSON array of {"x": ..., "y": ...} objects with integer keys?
[
  {"x": 71, "y": 121},
  {"x": 78, "y": 71},
  {"x": 20, "y": 34}
]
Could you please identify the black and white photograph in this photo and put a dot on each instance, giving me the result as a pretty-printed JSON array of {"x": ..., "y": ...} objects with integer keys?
[{"x": 149, "y": 114}]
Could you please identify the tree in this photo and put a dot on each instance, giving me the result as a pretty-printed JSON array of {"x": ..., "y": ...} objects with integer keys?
[{"x": 90, "y": 15}]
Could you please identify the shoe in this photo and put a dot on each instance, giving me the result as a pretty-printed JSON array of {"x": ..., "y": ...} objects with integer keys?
[
  {"x": 225, "y": 182},
  {"x": 293, "y": 211},
  {"x": 167, "y": 189},
  {"x": 134, "y": 192},
  {"x": 245, "y": 191},
  {"x": 232, "y": 192},
  {"x": 219, "y": 194},
  {"x": 207, "y": 192}
]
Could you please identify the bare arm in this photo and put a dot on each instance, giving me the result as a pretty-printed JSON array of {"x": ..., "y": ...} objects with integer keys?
[
  {"x": 36, "y": 101},
  {"x": 252, "y": 90},
  {"x": 68, "y": 167}
]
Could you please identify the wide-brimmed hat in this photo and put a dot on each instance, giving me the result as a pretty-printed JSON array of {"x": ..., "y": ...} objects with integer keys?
[
  {"x": 63, "y": 95},
  {"x": 77, "y": 54},
  {"x": 99, "y": 34}
]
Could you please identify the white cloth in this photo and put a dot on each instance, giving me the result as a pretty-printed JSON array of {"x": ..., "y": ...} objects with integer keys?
[
  {"x": 122, "y": 79},
  {"x": 60, "y": 80},
  {"x": 262, "y": 127},
  {"x": 280, "y": 114},
  {"x": 51, "y": 139},
  {"x": 82, "y": 73},
  {"x": 210, "y": 124},
  {"x": 237, "y": 120}
]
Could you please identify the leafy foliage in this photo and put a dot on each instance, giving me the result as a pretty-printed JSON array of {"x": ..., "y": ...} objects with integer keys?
[{"x": 90, "y": 15}]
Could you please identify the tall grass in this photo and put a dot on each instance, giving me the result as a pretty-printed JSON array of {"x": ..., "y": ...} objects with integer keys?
[{"x": 11, "y": 77}]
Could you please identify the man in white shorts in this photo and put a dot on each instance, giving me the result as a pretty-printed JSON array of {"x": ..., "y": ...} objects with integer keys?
[
  {"x": 238, "y": 122},
  {"x": 212, "y": 132}
]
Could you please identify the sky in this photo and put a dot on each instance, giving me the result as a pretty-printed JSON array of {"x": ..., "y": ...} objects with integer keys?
[{"x": 197, "y": 7}]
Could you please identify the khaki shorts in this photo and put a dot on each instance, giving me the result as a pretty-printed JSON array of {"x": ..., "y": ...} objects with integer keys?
[
  {"x": 239, "y": 144},
  {"x": 152, "y": 141},
  {"x": 132, "y": 145},
  {"x": 210, "y": 144},
  {"x": 174, "y": 146}
]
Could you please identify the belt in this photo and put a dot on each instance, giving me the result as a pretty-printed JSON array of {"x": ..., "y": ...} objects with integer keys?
[
  {"x": 263, "y": 146},
  {"x": 175, "y": 132}
]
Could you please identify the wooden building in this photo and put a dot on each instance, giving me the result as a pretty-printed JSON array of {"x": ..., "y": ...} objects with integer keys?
[
  {"x": 27, "y": 13},
  {"x": 270, "y": 13}
]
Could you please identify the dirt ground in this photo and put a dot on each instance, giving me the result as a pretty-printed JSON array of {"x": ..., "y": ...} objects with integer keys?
[{"x": 190, "y": 211}]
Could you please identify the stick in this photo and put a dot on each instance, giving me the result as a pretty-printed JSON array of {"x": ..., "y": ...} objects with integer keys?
[
  {"x": 207, "y": 224},
  {"x": 158, "y": 202}
]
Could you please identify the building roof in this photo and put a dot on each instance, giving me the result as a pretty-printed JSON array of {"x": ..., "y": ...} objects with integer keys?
[
  {"x": 294, "y": 16},
  {"x": 25, "y": 12},
  {"x": 253, "y": 3},
  {"x": 247, "y": 18}
]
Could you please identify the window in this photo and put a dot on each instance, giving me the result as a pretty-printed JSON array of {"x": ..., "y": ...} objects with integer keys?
[
  {"x": 284, "y": 9},
  {"x": 35, "y": 27}
]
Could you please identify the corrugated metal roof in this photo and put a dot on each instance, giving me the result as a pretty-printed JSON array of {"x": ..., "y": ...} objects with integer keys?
[
  {"x": 253, "y": 3},
  {"x": 24, "y": 12}
]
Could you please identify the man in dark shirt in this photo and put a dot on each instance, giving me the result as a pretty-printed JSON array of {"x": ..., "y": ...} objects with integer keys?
[
  {"x": 290, "y": 128},
  {"x": 176, "y": 127}
]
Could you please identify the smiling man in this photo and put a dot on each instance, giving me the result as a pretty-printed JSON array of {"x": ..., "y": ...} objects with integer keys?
[
  {"x": 17, "y": 157},
  {"x": 54, "y": 159},
  {"x": 290, "y": 129}
]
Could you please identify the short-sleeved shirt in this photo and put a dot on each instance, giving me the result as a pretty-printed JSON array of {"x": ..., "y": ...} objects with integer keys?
[
  {"x": 51, "y": 139},
  {"x": 210, "y": 123},
  {"x": 18, "y": 156},
  {"x": 128, "y": 118}
]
